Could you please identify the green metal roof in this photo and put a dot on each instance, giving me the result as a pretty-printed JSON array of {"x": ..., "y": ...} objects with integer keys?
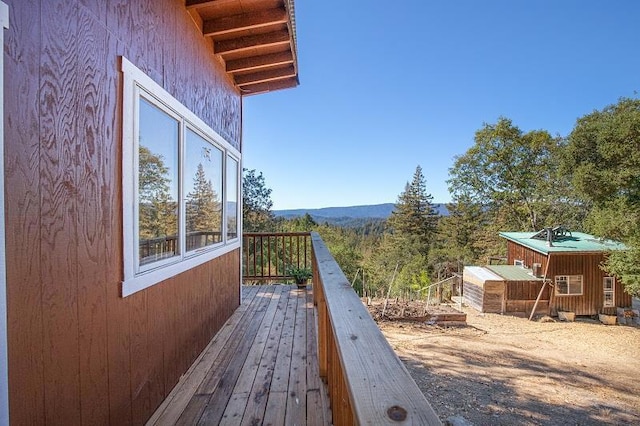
[
  {"x": 513, "y": 273},
  {"x": 576, "y": 242}
]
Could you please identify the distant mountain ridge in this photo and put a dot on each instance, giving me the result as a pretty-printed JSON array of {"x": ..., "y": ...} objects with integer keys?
[{"x": 330, "y": 214}]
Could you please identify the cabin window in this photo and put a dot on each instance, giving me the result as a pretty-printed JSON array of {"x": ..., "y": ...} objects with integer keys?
[
  {"x": 203, "y": 192},
  {"x": 181, "y": 185},
  {"x": 158, "y": 180},
  {"x": 519, "y": 263},
  {"x": 569, "y": 285},
  {"x": 609, "y": 287}
]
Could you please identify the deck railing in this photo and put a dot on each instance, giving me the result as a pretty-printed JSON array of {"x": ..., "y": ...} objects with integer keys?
[
  {"x": 367, "y": 382},
  {"x": 266, "y": 257}
]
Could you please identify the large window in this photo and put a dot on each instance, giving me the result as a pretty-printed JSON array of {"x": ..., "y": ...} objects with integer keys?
[
  {"x": 568, "y": 285},
  {"x": 180, "y": 186}
]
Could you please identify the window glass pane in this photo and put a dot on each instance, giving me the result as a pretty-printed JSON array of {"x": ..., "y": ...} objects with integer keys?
[
  {"x": 232, "y": 198},
  {"x": 203, "y": 189},
  {"x": 561, "y": 285},
  {"x": 575, "y": 284},
  {"x": 608, "y": 298},
  {"x": 608, "y": 283},
  {"x": 157, "y": 184}
]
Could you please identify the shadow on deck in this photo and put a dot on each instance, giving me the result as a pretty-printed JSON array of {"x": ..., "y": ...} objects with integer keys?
[{"x": 261, "y": 368}]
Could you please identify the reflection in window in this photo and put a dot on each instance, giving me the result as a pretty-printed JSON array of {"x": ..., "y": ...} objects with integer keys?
[
  {"x": 232, "y": 198},
  {"x": 157, "y": 184},
  {"x": 569, "y": 285},
  {"x": 203, "y": 186}
]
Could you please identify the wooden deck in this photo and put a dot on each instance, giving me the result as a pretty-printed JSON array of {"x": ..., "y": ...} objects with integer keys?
[{"x": 261, "y": 368}]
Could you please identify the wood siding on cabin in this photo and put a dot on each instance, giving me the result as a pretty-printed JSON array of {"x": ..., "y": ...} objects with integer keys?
[
  {"x": 528, "y": 256},
  {"x": 585, "y": 264},
  {"x": 520, "y": 297},
  {"x": 592, "y": 300},
  {"x": 78, "y": 352}
]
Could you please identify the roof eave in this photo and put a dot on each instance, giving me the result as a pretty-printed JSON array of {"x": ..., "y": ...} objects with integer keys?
[{"x": 255, "y": 41}]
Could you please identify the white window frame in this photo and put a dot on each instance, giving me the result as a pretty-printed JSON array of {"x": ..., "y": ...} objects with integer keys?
[
  {"x": 238, "y": 199},
  {"x": 518, "y": 262},
  {"x": 4, "y": 342},
  {"x": 606, "y": 291},
  {"x": 569, "y": 279},
  {"x": 136, "y": 278}
]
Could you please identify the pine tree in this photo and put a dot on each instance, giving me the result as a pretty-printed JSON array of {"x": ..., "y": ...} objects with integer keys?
[
  {"x": 203, "y": 206},
  {"x": 414, "y": 218}
]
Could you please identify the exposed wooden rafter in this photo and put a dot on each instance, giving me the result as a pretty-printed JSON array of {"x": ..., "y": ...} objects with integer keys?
[
  {"x": 269, "y": 86},
  {"x": 257, "y": 62},
  {"x": 248, "y": 21},
  {"x": 194, "y": 4},
  {"x": 262, "y": 76},
  {"x": 250, "y": 42},
  {"x": 254, "y": 39}
]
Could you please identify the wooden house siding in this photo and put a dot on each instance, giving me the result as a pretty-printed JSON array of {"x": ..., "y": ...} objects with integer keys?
[
  {"x": 572, "y": 263},
  {"x": 587, "y": 265},
  {"x": 527, "y": 255},
  {"x": 520, "y": 297},
  {"x": 78, "y": 352}
]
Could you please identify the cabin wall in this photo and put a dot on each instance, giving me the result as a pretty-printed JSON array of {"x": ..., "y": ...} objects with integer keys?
[
  {"x": 588, "y": 265},
  {"x": 78, "y": 352},
  {"x": 518, "y": 252},
  {"x": 521, "y": 296}
]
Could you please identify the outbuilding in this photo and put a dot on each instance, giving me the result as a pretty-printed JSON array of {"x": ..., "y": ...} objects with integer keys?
[{"x": 554, "y": 270}]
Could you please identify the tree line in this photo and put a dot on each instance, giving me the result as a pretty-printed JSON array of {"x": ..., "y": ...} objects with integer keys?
[{"x": 508, "y": 180}]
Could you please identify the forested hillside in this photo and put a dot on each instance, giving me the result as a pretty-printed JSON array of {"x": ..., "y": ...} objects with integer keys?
[
  {"x": 508, "y": 180},
  {"x": 351, "y": 216}
]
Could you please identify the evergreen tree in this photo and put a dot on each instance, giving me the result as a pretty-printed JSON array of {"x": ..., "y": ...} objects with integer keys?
[
  {"x": 459, "y": 232},
  {"x": 203, "y": 208},
  {"x": 414, "y": 218}
]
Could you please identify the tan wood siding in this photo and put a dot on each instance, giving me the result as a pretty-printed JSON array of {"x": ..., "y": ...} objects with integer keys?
[
  {"x": 485, "y": 297},
  {"x": 78, "y": 352}
]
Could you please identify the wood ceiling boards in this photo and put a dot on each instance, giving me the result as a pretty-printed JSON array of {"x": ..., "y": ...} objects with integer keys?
[{"x": 254, "y": 39}]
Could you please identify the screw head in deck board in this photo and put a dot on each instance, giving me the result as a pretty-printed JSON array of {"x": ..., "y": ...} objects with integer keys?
[{"x": 397, "y": 414}]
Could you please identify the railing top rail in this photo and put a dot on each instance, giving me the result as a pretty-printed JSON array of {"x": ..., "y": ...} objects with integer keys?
[
  {"x": 381, "y": 389},
  {"x": 279, "y": 234}
]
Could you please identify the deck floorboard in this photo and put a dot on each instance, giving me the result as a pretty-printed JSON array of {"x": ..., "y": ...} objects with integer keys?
[{"x": 261, "y": 368}]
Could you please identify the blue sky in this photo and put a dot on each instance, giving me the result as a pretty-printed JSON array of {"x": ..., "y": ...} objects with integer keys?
[{"x": 386, "y": 86}]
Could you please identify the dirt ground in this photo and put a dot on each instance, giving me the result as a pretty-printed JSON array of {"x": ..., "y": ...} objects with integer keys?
[{"x": 504, "y": 370}]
